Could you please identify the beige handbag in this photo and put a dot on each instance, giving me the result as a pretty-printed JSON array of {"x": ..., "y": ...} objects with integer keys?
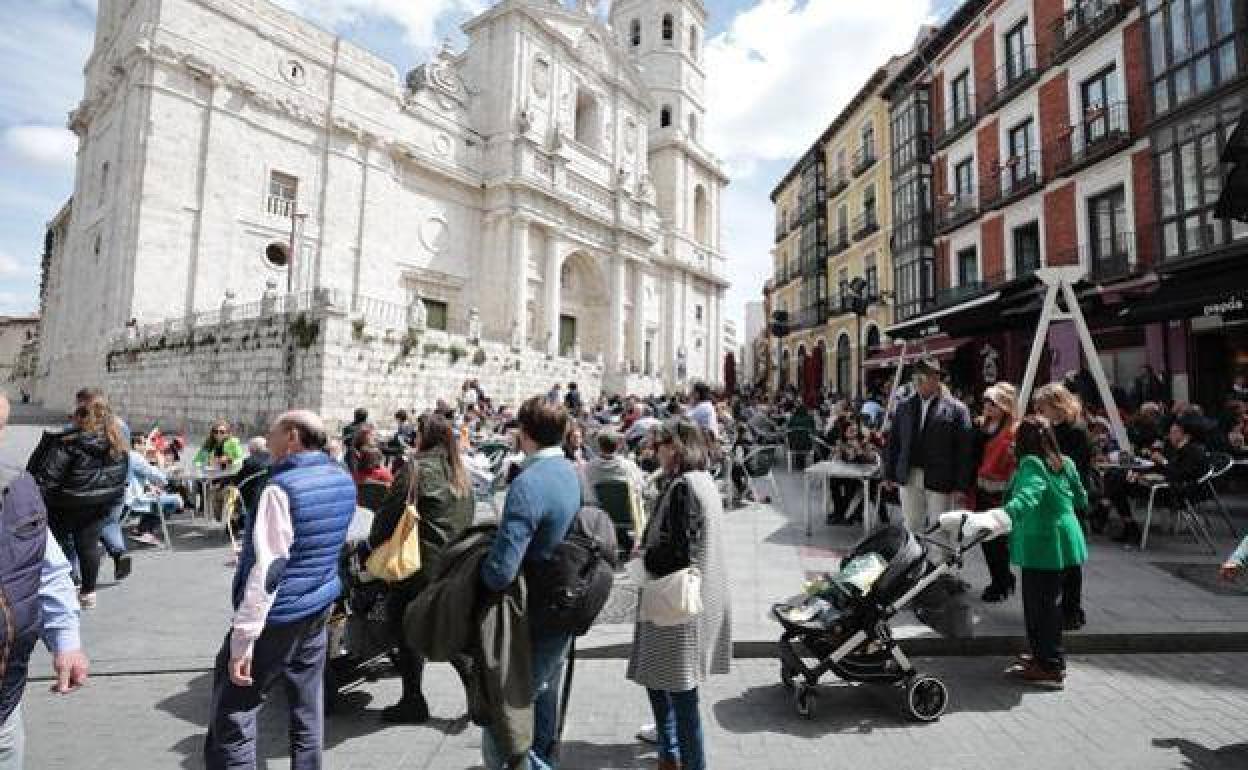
[{"x": 399, "y": 557}]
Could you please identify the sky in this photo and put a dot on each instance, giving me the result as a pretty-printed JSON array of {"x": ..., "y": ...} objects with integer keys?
[{"x": 778, "y": 71}]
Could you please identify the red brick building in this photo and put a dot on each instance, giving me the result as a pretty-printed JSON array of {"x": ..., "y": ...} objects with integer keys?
[{"x": 1041, "y": 156}]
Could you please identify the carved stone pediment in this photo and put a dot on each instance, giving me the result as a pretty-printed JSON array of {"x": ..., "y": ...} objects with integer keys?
[{"x": 440, "y": 77}]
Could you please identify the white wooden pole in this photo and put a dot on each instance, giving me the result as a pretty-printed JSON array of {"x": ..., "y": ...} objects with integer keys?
[
  {"x": 1037, "y": 346},
  {"x": 892, "y": 394},
  {"x": 1094, "y": 365}
]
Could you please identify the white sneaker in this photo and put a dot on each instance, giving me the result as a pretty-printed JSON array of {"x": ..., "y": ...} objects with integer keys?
[{"x": 648, "y": 734}]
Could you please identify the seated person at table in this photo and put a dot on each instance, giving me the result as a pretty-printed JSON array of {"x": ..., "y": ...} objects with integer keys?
[
  {"x": 221, "y": 450},
  {"x": 144, "y": 491},
  {"x": 370, "y": 466},
  {"x": 1180, "y": 463},
  {"x": 855, "y": 447}
]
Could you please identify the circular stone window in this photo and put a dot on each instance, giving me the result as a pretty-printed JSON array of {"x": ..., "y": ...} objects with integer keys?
[
  {"x": 277, "y": 255},
  {"x": 294, "y": 72}
]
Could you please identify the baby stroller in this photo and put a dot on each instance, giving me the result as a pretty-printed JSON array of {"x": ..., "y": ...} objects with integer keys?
[
  {"x": 843, "y": 620},
  {"x": 359, "y": 639}
]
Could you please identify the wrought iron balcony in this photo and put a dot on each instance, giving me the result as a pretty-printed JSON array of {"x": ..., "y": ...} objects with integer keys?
[
  {"x": 1103, "y": 131},
  {"x": 864, "y": 158},
  {"x": 865, "y": 224},
  {"x": 811, "y": 316},
  {"x": 1111, "y": 258},
  {"x": 838, "y": 184},
  {"x": 955, "y": 211},
  {"x": 1017, "y": 177},
  {"x": 840, "y": 241},
  {"x": 1010, "y": 79},
  {"x": 956, "y": 123},
  {"x": 952, "y": 295},
  {"x": 1084, "y": 22}
]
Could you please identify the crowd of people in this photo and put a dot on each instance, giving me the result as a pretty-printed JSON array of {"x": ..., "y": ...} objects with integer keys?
[{"x": 663, "y": 470}]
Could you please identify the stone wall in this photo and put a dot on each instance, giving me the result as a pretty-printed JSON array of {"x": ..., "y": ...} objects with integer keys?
[{"x": 248, "y": 371}]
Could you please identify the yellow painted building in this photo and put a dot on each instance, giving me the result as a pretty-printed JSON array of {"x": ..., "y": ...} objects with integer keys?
[{"x": 833, "y": 218}]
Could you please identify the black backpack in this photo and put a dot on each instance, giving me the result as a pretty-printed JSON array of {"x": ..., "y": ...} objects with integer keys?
[{"x": 569, "y": 589}]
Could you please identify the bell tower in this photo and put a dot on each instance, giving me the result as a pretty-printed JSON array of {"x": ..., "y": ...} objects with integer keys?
[{"x": 666, "y": 37}]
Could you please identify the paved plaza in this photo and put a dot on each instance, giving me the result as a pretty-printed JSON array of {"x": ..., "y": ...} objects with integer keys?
[{"x": 153, "y": 638}]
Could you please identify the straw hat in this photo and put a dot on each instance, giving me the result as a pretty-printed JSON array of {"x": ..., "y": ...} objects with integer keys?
[{"x": 1004, "y": 396}]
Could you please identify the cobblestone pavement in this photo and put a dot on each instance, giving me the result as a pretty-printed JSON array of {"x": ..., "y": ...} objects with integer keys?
[{"x": 1141, "y": 711}]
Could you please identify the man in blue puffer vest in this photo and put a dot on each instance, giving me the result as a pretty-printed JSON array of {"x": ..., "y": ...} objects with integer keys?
[
  {"x": 286, "y": 582},
  {"x": 37, "y": 598}
]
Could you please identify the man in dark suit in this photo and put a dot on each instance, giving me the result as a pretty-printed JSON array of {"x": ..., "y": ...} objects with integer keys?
[{"x": 929, "y": 452}]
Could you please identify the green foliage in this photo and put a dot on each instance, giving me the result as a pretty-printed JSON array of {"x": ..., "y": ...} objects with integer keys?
[{"x": 305, "y": 331}]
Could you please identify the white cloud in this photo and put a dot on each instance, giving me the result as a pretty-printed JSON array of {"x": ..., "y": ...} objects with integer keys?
[
  {"x": 11, "y": 266},
  {"x": 783, "y": 69},
  {"x": 45, "y": 146},
  {"x": 776, "y": 77},
  {"x": 418, "y": 18}
]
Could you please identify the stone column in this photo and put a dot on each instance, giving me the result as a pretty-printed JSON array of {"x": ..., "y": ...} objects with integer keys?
[
  {"x": 550, "y": 285},
  {"x": 619, "y": 332},
  {"x": 639, "y": 314},
  {"x": 519, "y": 275}
]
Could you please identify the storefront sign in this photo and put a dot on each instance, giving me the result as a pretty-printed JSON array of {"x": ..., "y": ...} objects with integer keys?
[{"x": 1229, "y": 306}]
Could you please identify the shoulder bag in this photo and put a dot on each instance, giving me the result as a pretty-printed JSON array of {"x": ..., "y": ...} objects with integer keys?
[{"x": 399, "y": 557}]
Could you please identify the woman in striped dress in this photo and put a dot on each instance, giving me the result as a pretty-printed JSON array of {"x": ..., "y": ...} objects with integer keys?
[{"x": 671, "y": 661}]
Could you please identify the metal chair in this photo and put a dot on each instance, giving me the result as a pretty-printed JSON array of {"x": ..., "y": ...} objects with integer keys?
[
  {"x": 799, "y": 441},
  {"x": 1220, "y": 463},
  {"x": 1189, "y": 514},
  {"x": 759, "y": 464},
  {"x": 616, "y": 498}
]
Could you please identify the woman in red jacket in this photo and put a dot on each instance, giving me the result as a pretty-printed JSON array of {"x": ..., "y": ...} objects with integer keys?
[{"x": 996, "y": 466}]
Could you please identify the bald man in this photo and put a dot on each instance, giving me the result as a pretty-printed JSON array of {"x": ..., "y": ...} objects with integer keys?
[{"x": 284, "y": 587}]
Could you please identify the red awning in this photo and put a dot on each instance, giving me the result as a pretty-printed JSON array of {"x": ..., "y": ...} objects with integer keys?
[{"x": 940, "y": 346}]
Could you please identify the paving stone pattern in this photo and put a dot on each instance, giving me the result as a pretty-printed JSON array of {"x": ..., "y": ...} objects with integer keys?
[{"x": 1142, "y": 711}]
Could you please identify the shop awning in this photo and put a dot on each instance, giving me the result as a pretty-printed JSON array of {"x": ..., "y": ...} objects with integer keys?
[
  {"x": 913, "y": 327},
  {"x": 940, "y": 346},
  {"x": 1217, "y": 289}
]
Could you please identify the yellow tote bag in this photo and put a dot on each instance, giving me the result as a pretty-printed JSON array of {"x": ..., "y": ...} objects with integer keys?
[{"x": 399, "y": 557}]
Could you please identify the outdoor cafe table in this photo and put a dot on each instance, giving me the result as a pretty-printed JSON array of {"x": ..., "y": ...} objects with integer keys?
[
  {"x": 1153, "y": 481},
  {"x": 835, "y": 469},
  {"x": 203, "y": 478}
]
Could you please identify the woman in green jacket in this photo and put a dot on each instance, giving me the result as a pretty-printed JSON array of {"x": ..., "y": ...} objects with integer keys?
[{"x": 1045, "y": 540}]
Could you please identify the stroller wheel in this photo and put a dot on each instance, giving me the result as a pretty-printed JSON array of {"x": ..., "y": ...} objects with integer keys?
[
  {"x": 804, "y": 699},
  {"x": 926, "y": 698},
  {"x": 786, "y": 676}
]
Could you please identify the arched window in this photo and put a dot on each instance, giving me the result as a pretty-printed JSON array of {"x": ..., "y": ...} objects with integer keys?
[
  {"x": 668, "y": 28},
  {"x": 873, "y": 338},
  {"x": 103, "y": 183},
  {"x": 844, "y": 373},
  {"x": 665, "y": 117},
  {"x": 634, "y": 32},
  {"x": 587, "y": 124},
  {"x": 701, "y": 216},
  {"x": 693, "y": 126},
  {"x": 693, "y": 41}
]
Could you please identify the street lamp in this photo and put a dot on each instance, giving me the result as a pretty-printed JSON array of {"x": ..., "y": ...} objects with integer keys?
[{"x": 859, "y": 300}]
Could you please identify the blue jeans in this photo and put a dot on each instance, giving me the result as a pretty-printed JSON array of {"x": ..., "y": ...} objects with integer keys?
[
  {"x": 110, "y": 536},
  {"x": 549, "y": 654},
  {"x": 679, "y": 727}
]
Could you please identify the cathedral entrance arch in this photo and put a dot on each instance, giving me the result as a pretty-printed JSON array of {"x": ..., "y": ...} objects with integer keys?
[{"x": 583, "y": 302}]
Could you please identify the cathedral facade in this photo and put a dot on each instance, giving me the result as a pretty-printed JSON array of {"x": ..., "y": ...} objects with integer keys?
[{"x": 547, "y": 187}]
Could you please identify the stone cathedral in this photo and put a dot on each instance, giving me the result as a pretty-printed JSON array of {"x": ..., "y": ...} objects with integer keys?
[{"x": 546, "y": 191}]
